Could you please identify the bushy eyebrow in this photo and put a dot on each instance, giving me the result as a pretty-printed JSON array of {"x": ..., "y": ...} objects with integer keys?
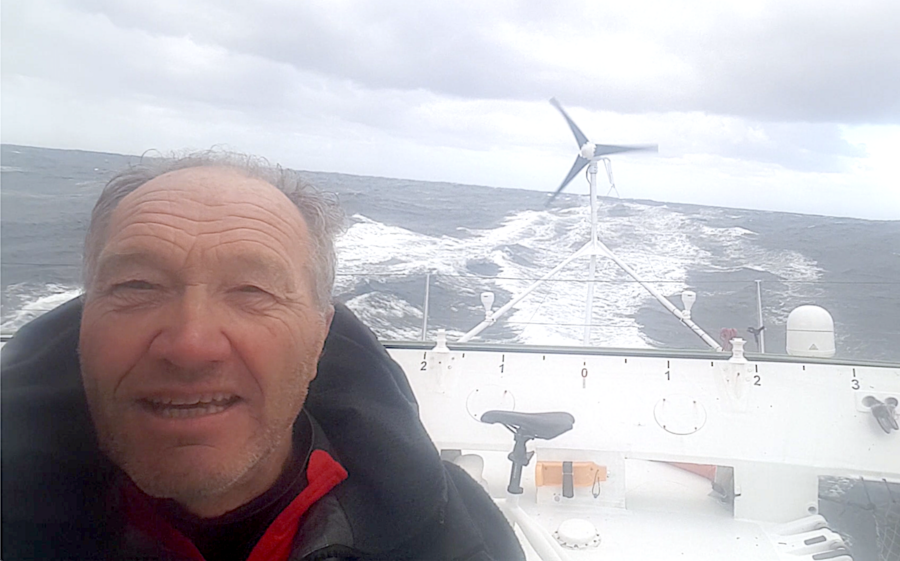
[
  {"x": 254, "y": 265},
  {"x": 267, "y": 267},
  {"x": 112, "y": 264}
]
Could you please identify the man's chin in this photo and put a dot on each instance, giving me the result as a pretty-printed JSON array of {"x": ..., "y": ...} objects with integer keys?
[
  {"x": 208, "y": 476},
  {"x": 188, "y": 477},
  {"x": 168, "y": 483},
  {"x": 206, "y": 495}
]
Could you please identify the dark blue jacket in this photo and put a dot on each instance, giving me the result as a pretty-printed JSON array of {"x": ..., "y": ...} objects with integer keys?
[{"x": 399, "y": 501}]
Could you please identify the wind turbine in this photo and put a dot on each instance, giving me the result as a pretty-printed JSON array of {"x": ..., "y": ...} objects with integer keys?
[{"x": 588, "y": 155}]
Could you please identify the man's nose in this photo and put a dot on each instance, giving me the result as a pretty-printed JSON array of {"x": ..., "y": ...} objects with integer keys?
[{"x": 192, "y": 336}]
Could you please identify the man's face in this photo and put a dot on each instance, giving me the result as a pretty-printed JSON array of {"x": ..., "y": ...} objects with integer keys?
[{"x": 200, "y": 336}]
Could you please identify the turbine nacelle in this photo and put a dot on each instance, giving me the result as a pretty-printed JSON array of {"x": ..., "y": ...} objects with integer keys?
[{"x": 587, "y": 150}]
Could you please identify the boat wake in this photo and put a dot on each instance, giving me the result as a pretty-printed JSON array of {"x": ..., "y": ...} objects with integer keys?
[{"x": 671, "y": 250}]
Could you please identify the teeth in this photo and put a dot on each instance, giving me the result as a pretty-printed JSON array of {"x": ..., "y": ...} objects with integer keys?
[
  {"x": 204, "y": 399},
  {"x": 199, "y": 411},
  {"x": 192, "y": 406}
]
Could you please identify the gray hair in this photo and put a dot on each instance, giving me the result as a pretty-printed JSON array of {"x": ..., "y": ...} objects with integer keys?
[{"x": 324, "y": 217}]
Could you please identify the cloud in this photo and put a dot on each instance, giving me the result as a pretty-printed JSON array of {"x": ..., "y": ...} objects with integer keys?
[
  {"x": 779, "y": 61},
  {"x": 778, "y": 93}
]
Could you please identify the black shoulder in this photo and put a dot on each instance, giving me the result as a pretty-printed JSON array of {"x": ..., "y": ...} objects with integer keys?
[
  {"x": 54, "y": 476},
  {"x": 363, "y": 402},
  {"x": 51, "y": 338},
  {"x": 350, "y": 340},
  {"x": 469, "y": 527},
  {"x": 44, "y": 409},
  {"x": 500, "y": 540}
]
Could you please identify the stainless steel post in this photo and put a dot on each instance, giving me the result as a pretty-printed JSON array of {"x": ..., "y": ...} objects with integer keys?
[
  {"x": 425, "y": 311},
  {"x": 762, "y": 333},
  {"x": 592, "y": 270}
]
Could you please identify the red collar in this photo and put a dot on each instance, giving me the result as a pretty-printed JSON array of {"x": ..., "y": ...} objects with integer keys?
[{"x": 323, "y": 473}]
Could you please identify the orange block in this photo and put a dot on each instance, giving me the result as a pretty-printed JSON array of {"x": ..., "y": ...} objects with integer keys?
[{"x": 584, "y": 474}]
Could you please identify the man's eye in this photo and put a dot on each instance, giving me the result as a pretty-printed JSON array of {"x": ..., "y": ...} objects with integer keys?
[
  {"x": 250, "y": 289},
  {"x": 134, "y": 285}
]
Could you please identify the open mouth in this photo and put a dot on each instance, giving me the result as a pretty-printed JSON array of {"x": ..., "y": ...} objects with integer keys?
[{"x": 185, "y": 407}]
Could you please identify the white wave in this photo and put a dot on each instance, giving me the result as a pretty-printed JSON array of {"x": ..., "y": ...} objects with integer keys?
[
  {"x": 47, "y": 298},
  {"x": 373, "y": 248},
  {"x": 834, "y": 487},
  {"x": 660, "y": 244},
  {"x": 388, "y": 315}
]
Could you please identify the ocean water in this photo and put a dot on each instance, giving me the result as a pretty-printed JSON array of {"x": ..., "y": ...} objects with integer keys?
[{"x": 463, "y": 240}]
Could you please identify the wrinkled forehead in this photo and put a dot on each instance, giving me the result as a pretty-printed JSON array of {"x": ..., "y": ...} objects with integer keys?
[
  {"x": 213, "y": 203},
  {"x": 213, "y": 190}
]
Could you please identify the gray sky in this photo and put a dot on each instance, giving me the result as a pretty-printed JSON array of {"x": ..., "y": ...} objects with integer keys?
[{"x": 782, "y": 105}]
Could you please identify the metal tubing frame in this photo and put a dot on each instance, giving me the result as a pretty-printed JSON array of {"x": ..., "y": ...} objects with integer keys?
[
  {"x": 425, "y": 310},
  {"x": 592, "y": 268},
  {"x": 593, "y": 248},
  {"x": 762, "y": 333},
  {"x": 544, "y": 545}
]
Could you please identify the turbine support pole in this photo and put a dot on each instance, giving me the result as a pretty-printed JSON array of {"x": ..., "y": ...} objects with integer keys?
[{"x": 592, "y": 269}]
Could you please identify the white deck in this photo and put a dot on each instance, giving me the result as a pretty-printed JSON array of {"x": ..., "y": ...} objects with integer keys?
[
  {"x": 670, "y": 515},
  {"x": 779, "y": 424}
]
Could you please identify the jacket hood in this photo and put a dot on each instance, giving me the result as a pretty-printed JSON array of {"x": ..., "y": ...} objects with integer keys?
[
  {"x": 366, "y": 408},
  {"x": 360, "y": 397}
]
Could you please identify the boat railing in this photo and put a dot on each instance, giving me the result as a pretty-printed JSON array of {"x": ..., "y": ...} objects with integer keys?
[
  {"x": 471, "y": 284},
  {"x": 423, "y": 293}
]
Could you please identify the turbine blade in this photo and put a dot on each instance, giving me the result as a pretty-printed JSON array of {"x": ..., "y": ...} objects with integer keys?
[
  {"x": 606, "y": 149},
  {"x": 576, "y": 167},
  {"x": 579, "y": 136}
]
